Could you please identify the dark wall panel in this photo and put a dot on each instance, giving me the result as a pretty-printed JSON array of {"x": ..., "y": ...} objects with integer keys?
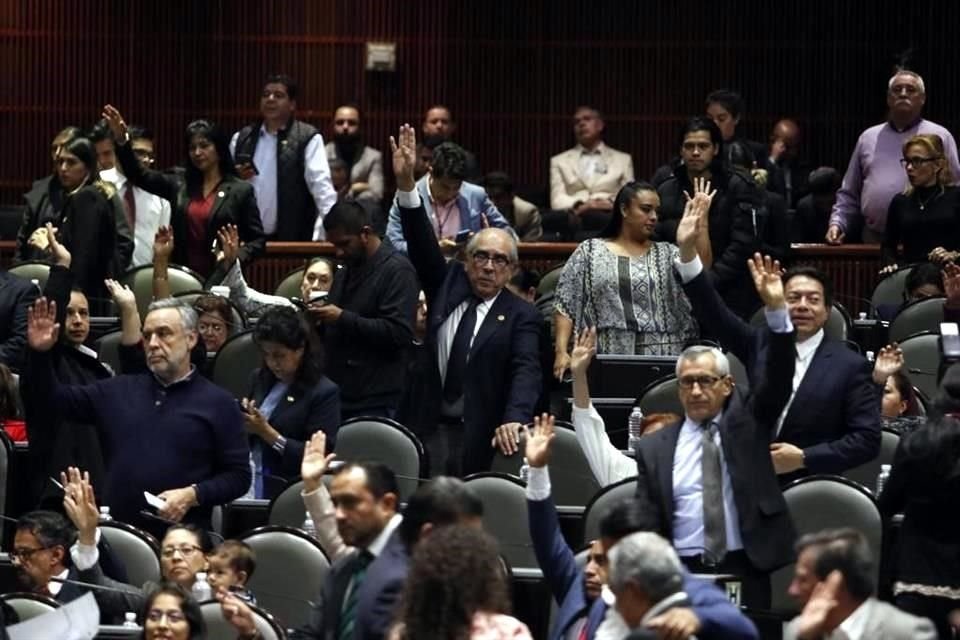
[{"x": 512, "y": 70}]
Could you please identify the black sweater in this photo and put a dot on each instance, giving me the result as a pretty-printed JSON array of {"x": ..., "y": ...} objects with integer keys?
[{"x": 920, "y": 230}]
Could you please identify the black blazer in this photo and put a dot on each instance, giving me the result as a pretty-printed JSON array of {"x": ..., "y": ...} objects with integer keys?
[
  {"x": 304, "y": 410},
  {"x": 379, "y": 595},
  {"x": 502, "y": 382},
  {"x": 835, "y": 414},
  {"x": 325, "y": 612},
  {"x": 235, "y": 204},
  {"x": 745, "y": 430},
  {"x": 16, "y": 295}
]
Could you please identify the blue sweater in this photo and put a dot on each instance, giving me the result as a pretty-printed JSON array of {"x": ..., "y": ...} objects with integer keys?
[{"x": 157, "y": 438}]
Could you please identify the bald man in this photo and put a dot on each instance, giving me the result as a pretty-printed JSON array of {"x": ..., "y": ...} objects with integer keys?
[
  {"x": 788, "y": 177},
  {"x": 485, "y": 339}
]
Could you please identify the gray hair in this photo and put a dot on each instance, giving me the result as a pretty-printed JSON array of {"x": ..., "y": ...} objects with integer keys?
[
  {"x": 188, "y": 315},
  {"x": 475, "y": 240},
  {"x": 697, "y": 350},
  {"x": 905, "y": 72},
  {"x": 648, "y": 561}
]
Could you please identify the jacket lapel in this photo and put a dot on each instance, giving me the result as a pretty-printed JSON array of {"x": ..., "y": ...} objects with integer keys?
[
  {"x": 665, "y": 456},
  {"x": 496, "y": 317},
  {"x": 223, "y": 192},
  {"x": 811, "y": 381}
]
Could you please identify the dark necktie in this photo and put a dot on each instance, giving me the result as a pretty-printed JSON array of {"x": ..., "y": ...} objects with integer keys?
[
  {"x": 714, "y": 526},
  {"x": 459, "y": 351},
  {"x": 130, "y": 205},
  {"x": 348, "y": 612}
]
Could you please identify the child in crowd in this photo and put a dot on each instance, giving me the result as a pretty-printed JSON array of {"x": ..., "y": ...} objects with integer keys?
[{"x": 230, "y": 566}]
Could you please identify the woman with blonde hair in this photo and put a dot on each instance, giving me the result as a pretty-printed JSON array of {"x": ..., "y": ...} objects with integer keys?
[{"x": 925, "y": 218}]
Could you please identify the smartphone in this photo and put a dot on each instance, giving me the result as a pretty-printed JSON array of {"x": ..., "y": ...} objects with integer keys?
[
  {"x": 462, "y": 236},
  {"x": 950, "y": 340},
  {"x": 246, "y": 158}
]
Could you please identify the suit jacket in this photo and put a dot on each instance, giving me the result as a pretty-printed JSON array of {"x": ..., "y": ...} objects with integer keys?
[
  {"x": 381, "y": 590},
  {"x": 886, "y": 622},
  {"x": 568, "y": 186},
  {"x": 16, "y": 295},
  {"x": 304, "y": 410},
  {"x": 235, "y": 204},
  {"x": 835, "y": 414},
  {"x": 325, "y": 613},
  {"x": 745, "y": 432},
  {"x": 525, "y": 219},
  {"x": 502, "y": 380},
  {"x": 367, "y": 168},
  {"x": 472, "y": 201}
]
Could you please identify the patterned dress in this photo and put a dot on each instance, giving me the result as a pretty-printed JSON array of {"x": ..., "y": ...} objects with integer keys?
[{"x": 637, "y": 303}]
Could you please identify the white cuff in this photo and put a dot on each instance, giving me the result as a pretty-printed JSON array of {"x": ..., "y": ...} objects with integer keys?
[
  {"x": 85, "y": 557},
  {"x": 538, "y": 484},
  {"x": 688, "y": 270},
  {"x": 778, "y": 320},
  {"x": 408, "y": 199}
]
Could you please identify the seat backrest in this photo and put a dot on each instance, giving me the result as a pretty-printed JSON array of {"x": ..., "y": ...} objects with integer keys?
[
  {"x": 505, "y": 516},
  {"x": 572, "y": 484},
  {"x": 289, "y": 287},
  {"x": 137, "y": 549},
  {"x": 291, "y": 567},
  {"x": 661, "y": 396},
  {"x": 917, "y": 317},
  {"x": 238, "y": 321},
  {"x": 237, "y": 358},
  {"x": 29, "y": 605},
  {"x": 287, "y": 508},
  {"x": 866, "y": 474},
  {"x": 738, "y": 372},
  {"x": 108, "y": 350},
  {"x": 600, "y": 504},
  {"x": 219, "y": 629},
  {"x": 548, "y": 283},
  {"x": 892, "y": 288},
  {"x": 921, "y": 356},
  {"x": 32, "y": 270},
  {"x": 6, "y": 455},
  {"x": 140, "y": 281},
  {"x": 836, "y": 328},
  {"x": 816, "y": 503},
  {"x": 388, "y": 442}
]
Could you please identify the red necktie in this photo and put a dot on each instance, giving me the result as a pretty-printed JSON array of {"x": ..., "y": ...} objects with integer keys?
[{"x": 130, "y": 206}]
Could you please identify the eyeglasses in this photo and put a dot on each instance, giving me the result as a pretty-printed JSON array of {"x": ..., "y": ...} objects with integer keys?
[
  {"x": 185, "y": 551},
  {"x": 24, "y": 554},
  {"x": 481, "y": 258},
  {"x": 173, "y": 616},
  {"x": 705, "y": 382},
  {"x": 917, "y": 161}
]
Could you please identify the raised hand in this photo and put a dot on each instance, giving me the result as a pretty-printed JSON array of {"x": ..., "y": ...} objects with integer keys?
[
  {"x": 80, "y": 504},
  {"x": 315, "y": 461},
  {"x": 61, "y": 255},
  {"x": 42, "y": 326},
  {"x": 237, "y": 613},
  {"x": 689, "y": 229},
  {"x": 767, "y": 280},
  {"x": 404, "y": 157},
  {"x": 941, "y": 256},
  {"x": 122, "y": 295},
  {"x": 163, "y": 244},
  {"x": 951, "y": 283},
  {"x": 584, "y": 348},
  {"x": 229, "y": 238},
  {"x": 889, "y": 361},
  {"x": 538, "y": 440},
  {"x": 812, "y": 621},
  {"x": 115, "y": 121}
]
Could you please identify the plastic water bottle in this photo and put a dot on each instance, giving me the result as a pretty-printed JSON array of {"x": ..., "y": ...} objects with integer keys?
[
  {"x": 201, "y": 588},
  {"x": 871, "y": 356},
  {"x": 882, "y": 478},
  {"x": 525, "y": 471},
  {"x": 130, "y": 620},
  {"x": 105, "y": 515},
  {"x": 634, "y": 429},
  {"x": 308, "y": 527}
]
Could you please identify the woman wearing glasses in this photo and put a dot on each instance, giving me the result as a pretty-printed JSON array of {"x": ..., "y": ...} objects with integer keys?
[
  {"x": 624, "y": 284},
  {"x": 925, "y": 218}
]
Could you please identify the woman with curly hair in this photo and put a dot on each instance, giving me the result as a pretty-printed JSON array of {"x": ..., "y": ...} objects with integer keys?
[{"x": 456, "y": 590}]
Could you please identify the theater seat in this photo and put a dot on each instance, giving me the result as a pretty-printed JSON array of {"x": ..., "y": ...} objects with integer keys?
[
  {"x": 32, "y": 270},
  {"x": 289, "y": 287},
  {"x": 892, "y": 289},
  {"x": 921, "y": 356},
  {"x": 137, "y": 549},
  {"x": 387, "y": 442},
  {"x": 140, "y": 281},
  {"x": 917, "y": 317},
  {"x": 108, "y": 350},
  {"x": 29, "y": 605},
  {"x": 219, "y": 629},
  {"x": 601, "y": 503},
  {"x": 505, "y": 516},
  {"x": 866, "y": 474},
  {"x": 237, "y": 358},
  {"x": 661, "y": 396}
]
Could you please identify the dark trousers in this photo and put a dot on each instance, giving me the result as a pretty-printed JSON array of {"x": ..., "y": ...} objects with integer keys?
[
  {"x": 754, "y": 585},
  {"x": 937, "y": 610},
  {"x": 445, "y": 448}
]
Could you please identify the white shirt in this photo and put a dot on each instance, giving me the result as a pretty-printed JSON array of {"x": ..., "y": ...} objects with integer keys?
[
  {"x": 53, "y": 586},
  {"x": 590, "y": 162},
  {"x": 152, "y": 213},
  {"x": 608, "y": 464},
  {"x": 316, "y": 173},
  {"x": 855, "y": 625}
]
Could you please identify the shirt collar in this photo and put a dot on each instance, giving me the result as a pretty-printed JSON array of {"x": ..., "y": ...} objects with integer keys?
[
  {"x": 433, "y": 200},
  {"x": 87, "y": 351},
  {"x": 854, "y": 627},
  {"x": 376, "y": 547},
  {"x": 689, "y": 424},
  {"x": 806, "y": 348},
  {"x": 910, "y": 127},
  {"x": 53, "y": 586},
  {"x": 186, "y": 378},
  {"x": 597, "y": 150}
]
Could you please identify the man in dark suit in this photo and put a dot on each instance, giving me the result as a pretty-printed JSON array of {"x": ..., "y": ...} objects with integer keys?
[
  {"x": 486, "y": 339},
  {"x": 581, "y": 611},
  {"x": 16, "y": 295},
  {"x": 708, "y": 483},
  {"x": 831, "y": 422}
]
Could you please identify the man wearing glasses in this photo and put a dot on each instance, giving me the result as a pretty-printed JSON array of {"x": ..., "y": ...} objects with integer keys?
[
  {"x": 874, "y": 174},
  {"x": 486, "y": 340}
]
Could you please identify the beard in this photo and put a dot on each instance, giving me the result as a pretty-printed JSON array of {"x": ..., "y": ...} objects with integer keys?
[{"x": 349, "y": 147}]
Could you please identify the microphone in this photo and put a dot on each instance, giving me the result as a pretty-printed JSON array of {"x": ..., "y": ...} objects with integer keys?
[
  {"x": 132, "y": 591},
  {"x": 922, "y": 372}
]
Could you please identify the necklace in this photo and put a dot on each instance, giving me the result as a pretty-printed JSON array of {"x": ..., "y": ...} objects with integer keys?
[{"x": 923, "y": 203}]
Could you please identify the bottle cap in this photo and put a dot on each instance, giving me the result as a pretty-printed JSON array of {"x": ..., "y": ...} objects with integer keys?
[
  {"x": 885, "y": 467},
  {"x": 130, "y": 616}
]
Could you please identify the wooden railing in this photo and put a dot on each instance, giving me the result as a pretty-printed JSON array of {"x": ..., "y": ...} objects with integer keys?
[{"x": 853, "y": 268}]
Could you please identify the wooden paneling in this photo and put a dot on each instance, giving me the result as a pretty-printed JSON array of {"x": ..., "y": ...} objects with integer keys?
[{"x": 511, "y": 70}]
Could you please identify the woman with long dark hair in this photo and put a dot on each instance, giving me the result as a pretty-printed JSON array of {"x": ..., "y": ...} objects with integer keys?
[
  {"x": 924, "y": 485},
  {"x": 170, "y": 613},
  {"x": 209, "y": 196},
  {"x": 624, "y": 284},
  {"x": 290, "y": 400}
]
